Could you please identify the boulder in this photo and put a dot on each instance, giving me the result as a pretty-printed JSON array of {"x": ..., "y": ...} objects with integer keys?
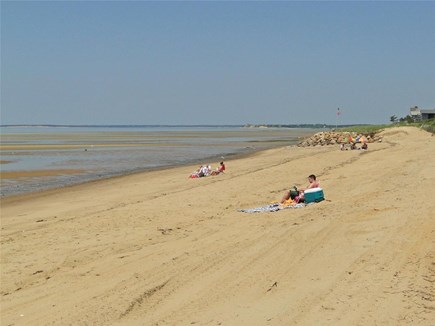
[{"x": 326, "y": 138}]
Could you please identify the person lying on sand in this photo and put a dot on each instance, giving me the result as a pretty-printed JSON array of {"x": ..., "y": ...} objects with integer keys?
[
  {"x": 203, "y": 171},
  {"x": 196, "y": 173},
  {"x": 313, "y": 183}
]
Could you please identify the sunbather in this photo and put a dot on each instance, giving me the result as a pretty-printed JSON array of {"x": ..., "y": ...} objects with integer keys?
[
  {"x": 206, "y": 170},
  {"x": 203, "y": 171},
  {"x": 219, "y": 170},
  {"x": 197, "y": 173},
  {"x": 313, "y": 183}
]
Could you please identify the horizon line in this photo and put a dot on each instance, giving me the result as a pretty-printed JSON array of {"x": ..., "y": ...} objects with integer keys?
[{"x": 181, "y": 125}]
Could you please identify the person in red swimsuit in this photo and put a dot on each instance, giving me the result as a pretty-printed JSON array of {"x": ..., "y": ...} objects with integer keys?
[
  {"x": 219, "y": 170},
  {"x": 313, "y": 183}
]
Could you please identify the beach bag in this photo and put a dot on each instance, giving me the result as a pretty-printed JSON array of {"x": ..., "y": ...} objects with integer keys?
[{"x": 294, "y": 192}]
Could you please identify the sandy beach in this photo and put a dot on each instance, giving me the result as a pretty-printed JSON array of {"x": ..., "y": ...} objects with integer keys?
[{"x": 157, "y": 248}]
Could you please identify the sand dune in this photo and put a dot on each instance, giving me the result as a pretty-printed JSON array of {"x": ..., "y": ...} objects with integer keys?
[{"x": 159, "y": 249}]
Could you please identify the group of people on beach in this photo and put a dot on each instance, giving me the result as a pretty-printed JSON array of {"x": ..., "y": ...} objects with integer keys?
[
  {"x": 206, "y": 170},
  {"x": 353, "y": 146},
  {"x": 294, "y": 194},
  {"x": 353, "y": 141}
]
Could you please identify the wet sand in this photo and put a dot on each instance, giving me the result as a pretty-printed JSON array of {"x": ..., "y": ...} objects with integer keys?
[
  {"x": 156, "y": 248},
  {"x": 78, "y": 140},
  {"x": 37, "y": 173},
  {"x": 97, "y": 153}
]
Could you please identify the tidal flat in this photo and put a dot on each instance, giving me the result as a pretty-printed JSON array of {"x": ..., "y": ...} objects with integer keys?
[{"x": 39, "y": 158}]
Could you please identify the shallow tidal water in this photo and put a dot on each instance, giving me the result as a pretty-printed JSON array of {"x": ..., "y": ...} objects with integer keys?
[{"x": 38, "y": 158}]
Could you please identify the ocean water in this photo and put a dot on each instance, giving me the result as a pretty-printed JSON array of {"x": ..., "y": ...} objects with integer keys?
[{"x": 80, "y": 154}]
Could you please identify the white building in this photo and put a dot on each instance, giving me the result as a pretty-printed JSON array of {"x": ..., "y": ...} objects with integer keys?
[{"x": 422, "y": 114}]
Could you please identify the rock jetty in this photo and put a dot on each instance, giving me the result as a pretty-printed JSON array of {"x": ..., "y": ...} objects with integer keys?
[{"x": 325, "y": 138}]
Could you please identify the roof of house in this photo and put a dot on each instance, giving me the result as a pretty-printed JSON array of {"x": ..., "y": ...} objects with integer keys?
[{"x": 429, "y": 111}]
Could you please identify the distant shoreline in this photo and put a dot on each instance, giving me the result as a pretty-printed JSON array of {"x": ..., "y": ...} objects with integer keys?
[
  {"x": 247, "y": 125},
  {"x": 116, "y": 126}
]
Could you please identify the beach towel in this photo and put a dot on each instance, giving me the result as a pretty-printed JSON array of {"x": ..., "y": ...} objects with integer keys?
[{"x": 271, "y": 208}]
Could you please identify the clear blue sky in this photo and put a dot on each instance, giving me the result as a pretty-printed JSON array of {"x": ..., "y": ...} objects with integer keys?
[{"x": 215, "y": 62}]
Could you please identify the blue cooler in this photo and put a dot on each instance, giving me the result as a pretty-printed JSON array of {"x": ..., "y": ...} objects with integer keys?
[{"x": 313, "y": 195}]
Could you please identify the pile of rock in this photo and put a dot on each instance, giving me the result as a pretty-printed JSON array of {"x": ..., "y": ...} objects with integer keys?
[{"x": 334, "y": 137}]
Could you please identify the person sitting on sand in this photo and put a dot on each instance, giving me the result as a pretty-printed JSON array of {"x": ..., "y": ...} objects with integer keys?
[
  {"x": 313, "y": 183},
  {"x": 364, "y": 146},
  {"x": 206, "y": 170},
  {"x": 219, "y": 170}
]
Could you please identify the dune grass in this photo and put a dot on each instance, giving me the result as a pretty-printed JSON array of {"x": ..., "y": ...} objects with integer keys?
[
  {"x": 428, "y": 125},
  {"x": 367, "y": 129}
]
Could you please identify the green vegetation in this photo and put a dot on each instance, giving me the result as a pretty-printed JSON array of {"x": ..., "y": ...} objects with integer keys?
[
  {"x": 365, "y": 129},
  {"x": 428, "y": 125},
  {"x": 302, "y": 125},
  {"x": 393, "y": 119}
]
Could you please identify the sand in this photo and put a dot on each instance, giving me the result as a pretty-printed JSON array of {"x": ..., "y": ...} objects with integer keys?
[
  {"x": 159, "y": 249},
  {"x": 37, "y": 173}
]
